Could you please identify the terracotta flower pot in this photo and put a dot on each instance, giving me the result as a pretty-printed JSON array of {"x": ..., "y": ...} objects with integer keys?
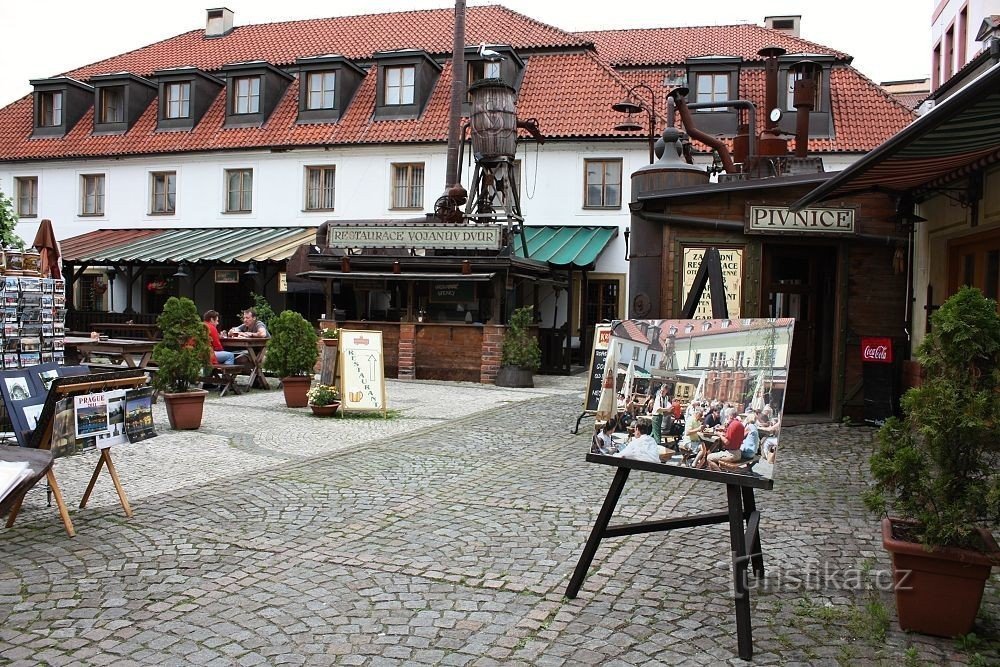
[
  {"x": 185, "y": 410},
  {"x": 325, "y": 410},
  {"x": 938, "y": 591},
  {"x": 295, "y": 388}
]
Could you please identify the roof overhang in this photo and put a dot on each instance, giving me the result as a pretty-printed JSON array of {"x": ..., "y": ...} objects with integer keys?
[
  {"x": 565, "y": 247},
  {"x": 321, "y": 274},
  {"x": 959, "y": 135}
]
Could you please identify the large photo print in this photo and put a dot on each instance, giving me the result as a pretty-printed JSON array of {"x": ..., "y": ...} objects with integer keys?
[{"x": 704, "y": 394}]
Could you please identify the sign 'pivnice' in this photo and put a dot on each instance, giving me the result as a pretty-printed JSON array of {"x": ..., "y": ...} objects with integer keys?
[
  {"x": 876, "y": 350},
  {"x": 762, "y": 219},
  {"x": 414, "y": 236}
]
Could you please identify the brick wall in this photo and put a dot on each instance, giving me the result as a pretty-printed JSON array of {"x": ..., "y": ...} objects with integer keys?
[
  {"x": 448, "y": 352},
  {"x": 490, "y": 353}
]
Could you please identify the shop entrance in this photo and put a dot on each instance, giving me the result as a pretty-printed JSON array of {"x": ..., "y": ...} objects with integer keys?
[{"x": 799, "y": 282}]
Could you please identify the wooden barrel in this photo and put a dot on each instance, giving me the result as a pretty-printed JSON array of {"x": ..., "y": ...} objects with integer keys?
[{"x": 493, "y": 119}]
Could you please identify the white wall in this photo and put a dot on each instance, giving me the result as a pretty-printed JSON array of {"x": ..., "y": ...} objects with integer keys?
[{"x": 978, "y": 10}]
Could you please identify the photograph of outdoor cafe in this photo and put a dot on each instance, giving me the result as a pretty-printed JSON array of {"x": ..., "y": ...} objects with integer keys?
[{"x": 707, "y": 394}]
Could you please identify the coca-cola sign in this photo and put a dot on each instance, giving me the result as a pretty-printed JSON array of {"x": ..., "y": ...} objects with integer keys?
[{"x": 876, "y": 350}]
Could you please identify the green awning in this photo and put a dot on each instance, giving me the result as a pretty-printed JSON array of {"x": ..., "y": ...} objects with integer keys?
[{"x": 565, "y": 247}]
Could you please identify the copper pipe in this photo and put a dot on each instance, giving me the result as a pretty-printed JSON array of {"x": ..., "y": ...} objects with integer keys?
[
  {"x": 680, "y": 100},
  {"x": 803, "y": 96},
  {"x": 751, "y": 122}
]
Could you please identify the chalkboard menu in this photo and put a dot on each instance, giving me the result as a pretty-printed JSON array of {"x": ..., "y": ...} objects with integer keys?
[{"x": 602, "y": 338}]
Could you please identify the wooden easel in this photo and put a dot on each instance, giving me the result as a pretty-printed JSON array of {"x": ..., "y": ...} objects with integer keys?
[
  {"x": 42, "y": 438},
  {"x": 742, "y": 514}
]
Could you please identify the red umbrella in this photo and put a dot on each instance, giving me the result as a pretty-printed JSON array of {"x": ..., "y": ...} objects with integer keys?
[{"x": 46, "y": 243}]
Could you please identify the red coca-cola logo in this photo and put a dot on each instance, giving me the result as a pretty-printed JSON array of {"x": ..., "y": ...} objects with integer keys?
[{"x": 876, "y": 350}]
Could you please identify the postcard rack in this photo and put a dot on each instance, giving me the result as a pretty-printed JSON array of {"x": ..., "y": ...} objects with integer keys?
[{"x": 41, "y": 438}]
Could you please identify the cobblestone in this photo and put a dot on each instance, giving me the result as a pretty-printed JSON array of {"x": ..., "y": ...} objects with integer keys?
[{"x": 443, "y": 535}]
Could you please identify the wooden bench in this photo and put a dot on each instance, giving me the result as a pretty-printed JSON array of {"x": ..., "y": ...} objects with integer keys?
[{"x": 224, "y": 376}]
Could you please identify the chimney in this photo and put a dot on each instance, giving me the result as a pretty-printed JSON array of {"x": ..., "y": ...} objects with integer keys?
[
  {"x": 786, "y": 24},
  {"x": 219, "y": 22}
]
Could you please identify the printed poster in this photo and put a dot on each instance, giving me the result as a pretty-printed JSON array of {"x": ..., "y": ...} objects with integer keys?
[
  {"x": 91, "y": 415},
  {"x": 139, "y": 414},
  {"x": 362, "y": 371},
  {"x": 116, "y": 420}
]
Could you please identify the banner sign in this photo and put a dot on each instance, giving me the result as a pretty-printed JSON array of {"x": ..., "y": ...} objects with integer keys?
[
  {"x": 876, "y": 350},
  {"x": 404, "y": 236},
  {"x": 779, "y": 220},
  {"x": 362, "y": 374}
]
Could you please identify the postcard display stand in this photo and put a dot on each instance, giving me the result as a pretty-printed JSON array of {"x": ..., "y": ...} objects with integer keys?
[
  {"x": 742, "y": 515},
  {"x": 41, "y": 438},
  {"x": 33, "y": 313}
]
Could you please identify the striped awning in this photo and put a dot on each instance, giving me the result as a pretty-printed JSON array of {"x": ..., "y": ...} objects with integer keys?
[
  {"x": 217, "y": 245},
  {"x": 565, "y": 247},
  {"x": 959, "y": 135}
]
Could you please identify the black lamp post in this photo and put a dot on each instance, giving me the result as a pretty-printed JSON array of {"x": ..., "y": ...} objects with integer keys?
[
  {"x": 627, "y": 233},
  {"x": 633, "y": 105}
]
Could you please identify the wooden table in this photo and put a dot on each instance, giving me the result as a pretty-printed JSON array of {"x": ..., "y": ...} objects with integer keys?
[
  {"x": 133, "y": 353},
  {"x": 144, "y": 331},
  {"x": 254, "y": 349}
]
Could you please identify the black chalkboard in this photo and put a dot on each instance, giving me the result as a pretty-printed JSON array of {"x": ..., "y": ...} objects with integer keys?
[
  {"x": 598, "y": 359},
  {"x": 880, "y": 392}
]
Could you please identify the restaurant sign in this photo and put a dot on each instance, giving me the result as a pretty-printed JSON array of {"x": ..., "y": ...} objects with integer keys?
[
  {"x": 732, "y": 276},
  {"x": 779, "y": 220},
  {"x": 408, "y": 236}
]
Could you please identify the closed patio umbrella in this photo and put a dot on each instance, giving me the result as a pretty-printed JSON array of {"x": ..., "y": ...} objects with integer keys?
[
  {"x": 51, "y": 255},
  {"x": 607, "y": 405}
]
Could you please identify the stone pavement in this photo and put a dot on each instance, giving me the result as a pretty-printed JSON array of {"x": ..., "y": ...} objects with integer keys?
[{"x": 444, "y": 535}]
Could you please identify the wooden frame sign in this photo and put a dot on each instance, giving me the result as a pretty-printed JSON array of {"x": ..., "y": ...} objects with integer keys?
[
  {"x": 362, "y": 372},
  {"x": 227, "y": 275}
]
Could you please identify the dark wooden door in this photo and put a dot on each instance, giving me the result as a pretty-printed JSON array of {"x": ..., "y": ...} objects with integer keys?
[{"x": 798, "y": 282}]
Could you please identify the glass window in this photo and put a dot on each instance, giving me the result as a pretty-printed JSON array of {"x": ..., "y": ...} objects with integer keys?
[
  {"x": 164, "y": 192},
  {"x": 246, "y": 95},
  {"x": 92, "y": 194},
  {"x": 603, "y": 187},
  {"x": 239, "y": 190},
  {"x": 50, "y": 114},
  {"x": 26, "y": 193},
  {"x": 112, "y": 105},
  {"x": 399, "y": 85},
  {"x": 602, "y": 300},
  {"x": 790, "y": 92},
  {"x": 320, "y": 188},
  {"x": 178, "y": 104},
  {"x": 713, "y": 88},
  {"x": 321, "y": 87},
  {"x": 408, "y": 185}
]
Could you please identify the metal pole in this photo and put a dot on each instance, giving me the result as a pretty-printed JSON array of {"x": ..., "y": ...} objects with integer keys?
[{"x": 452, "y": 175}]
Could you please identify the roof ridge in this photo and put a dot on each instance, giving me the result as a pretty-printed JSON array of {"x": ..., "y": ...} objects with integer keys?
[{"x": 121, "y": 55}]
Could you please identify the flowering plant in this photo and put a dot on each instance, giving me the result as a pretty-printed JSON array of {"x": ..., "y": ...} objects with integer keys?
[
  {"x": 330, "y": 332},
  {"x": 323, "y": 394},
  {"x": 156, "y": 285}
]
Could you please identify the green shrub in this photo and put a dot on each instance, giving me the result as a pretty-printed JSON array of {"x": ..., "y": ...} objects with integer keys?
[
  {"x": 938, "y": 464},
  {"x": 263, "y": 309},
  {"x": 520, "y": 348},
  {"x": 185, "y": 351},
  {"x": 291, "y": 350}
]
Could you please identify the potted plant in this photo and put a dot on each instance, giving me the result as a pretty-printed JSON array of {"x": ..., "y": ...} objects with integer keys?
[
  {"x": 291, "y": 355},
  {"x": 935, "y": 470},
  {"x": 181, "y": 357},
  {"x": 330, "y": 336},
  {"x": 324, "y": 400},
  {"x": 520, "y": 355}
]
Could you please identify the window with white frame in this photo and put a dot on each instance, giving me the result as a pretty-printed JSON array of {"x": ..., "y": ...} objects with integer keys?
[
  {"x": 399, "y": 85},
  {"x": 320, "y": 188},
  {"x": 26, "y": 194},
  {"x": 92, "y": 194},
  {"x": 163, "y": 190},
  {"x": 321, "y": 87},
  {"x": 603, "y": 183},
  {"x": 246, "y": 94},
  {"x": 635, "y": 354},
  {"x": 713, "y": 87},
  {"x": 239, "y": 190},
  {"x": 178, "y": 102},
  {"x": 50, "y": 113},
  {"x": 408, "y": 185}
]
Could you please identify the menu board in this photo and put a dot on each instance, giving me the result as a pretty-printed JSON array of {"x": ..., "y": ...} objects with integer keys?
[
  {"x": 732, "y": 275},
  {"x": 362, "y": 375},
  {"x": 598, "y": 357}
]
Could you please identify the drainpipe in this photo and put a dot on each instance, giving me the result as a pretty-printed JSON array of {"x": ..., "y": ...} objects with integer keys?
[{"x": 680, "y": 100}]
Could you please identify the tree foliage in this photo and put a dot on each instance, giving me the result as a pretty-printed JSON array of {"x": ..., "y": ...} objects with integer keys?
[{"x": 8, "y": 222}]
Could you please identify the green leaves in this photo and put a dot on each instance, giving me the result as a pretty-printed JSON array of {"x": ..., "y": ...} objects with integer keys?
[
  {"x": 520, "y": 348},
  {"x": 291, "y": 349},
  {"x": 8, "y": 222},
  {"x": 185, "y": 351}
]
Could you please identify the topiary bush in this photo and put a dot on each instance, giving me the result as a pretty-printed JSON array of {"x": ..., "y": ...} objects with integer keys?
[
  {"x": 291, "y": 350},
  {"x": 185, "y": 350},
  {"x": 938, "y": 464},
  {"x": 520, "y": 348}
]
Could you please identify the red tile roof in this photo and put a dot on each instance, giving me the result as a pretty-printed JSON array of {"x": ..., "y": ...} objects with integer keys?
[
  {"x": 644, "y": 47},
  {"x": 566, "y": 86}
]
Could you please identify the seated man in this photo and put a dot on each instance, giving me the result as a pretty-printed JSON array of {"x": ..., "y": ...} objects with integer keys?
[
  {"x": 732, "y": 439},
  {"x": 643, "y": 447},
  {"x": 251, "y": 327},
  {"x": 211, "y": 319}
]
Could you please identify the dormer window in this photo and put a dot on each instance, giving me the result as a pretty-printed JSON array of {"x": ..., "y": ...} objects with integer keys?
[
  {"x": 715, "y": 79},
  {"x": 58, "y": 104},
  {"x": 405, "y": 82},
  {"x": 185, "y": 95},
  {"x": 112, "y": 105},
  {"x": 178, "y": 100},
  {"x": 326, "y": 86},
  {"x": 246, "y": 95},
  {"x": 712, "y": 87},
  {"x": 791, "y": 78},
  {"x": 50, "y": 111},
  {"x": 119, "y": 101},
  {"x": 820, "y": 118},
  {"x": 399, "y": 82},
  {"x": 483, "y": 69},
  {"x": 253, "y": 91}
]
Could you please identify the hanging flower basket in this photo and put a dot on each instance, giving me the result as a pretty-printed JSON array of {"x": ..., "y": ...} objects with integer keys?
[{"x": 157, "y": 286}]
